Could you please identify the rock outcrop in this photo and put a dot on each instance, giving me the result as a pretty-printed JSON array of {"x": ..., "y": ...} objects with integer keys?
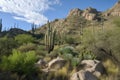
[
  {"x": 41, "y": 63},
  {"x": 83, "y": 75},
  {"x": 92, "y": 70},
  {"x": 89, "y": 13},
  {"x": 75, "y": 12},
  {"x": 114, "y": 11},
  {"x": 94, "y": 66},
  {"x": 56, "y": 63}
]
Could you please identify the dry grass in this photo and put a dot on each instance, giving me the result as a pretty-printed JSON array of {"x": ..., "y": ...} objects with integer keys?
[
  {"x": 111, "y": 67},
  {"x": 112, "y": 70}
]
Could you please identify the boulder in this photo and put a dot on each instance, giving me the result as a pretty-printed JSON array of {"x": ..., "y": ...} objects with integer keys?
[
  {"x": 83, "y": 75},
  {"x": 56, "y": 63},
  {"x": 89, "y": 16},
  {"x": 94, "y": 66},
  {"x": 41, "y": 63},
  {"x": 90, "y": 13},
  {"x": 75, "y": 76},
  {"x": 75, "y": 12}
]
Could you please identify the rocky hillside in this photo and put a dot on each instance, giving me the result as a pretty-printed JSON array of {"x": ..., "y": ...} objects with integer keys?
[
  {"x": 74, "y": 20},
  {"x": 77, "y": 18},
  {"x": 114, "y": 11},
  {"x": 86, "y": 47}
]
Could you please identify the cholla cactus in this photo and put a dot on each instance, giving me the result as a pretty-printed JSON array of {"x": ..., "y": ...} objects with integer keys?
[{"x": 49, "y": 38}]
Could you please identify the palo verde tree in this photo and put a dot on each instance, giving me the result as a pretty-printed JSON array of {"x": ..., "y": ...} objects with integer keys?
[{"x": 50, "y": 38}]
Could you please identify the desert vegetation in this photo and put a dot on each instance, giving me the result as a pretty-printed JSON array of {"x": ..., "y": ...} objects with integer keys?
[{"x": 62, "y": 53}]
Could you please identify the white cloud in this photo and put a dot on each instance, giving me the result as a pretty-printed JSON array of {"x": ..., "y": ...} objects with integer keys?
[{"x": 28, "y": 10}]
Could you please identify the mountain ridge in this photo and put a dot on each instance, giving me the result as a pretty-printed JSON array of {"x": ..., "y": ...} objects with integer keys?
[{"x": 77, "y": 17}]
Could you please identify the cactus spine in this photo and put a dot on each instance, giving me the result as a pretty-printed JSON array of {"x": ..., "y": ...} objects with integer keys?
[
  {"x": 49, "y": 38},
  {"x": 0, "y": 25}
]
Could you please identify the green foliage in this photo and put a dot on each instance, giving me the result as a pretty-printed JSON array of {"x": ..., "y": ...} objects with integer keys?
[
  {"x": 75, "y": 62},
  {"x": 116, "y": 21},
  {"x": 20, "y": 63},
  {"x": 41, "y": 50},
  {"x": 67, "y": 56},
  {"x": 24, "y": 39},
  {"x": 6, "y": 45},
  {"x": 87, "y": 55},
  {"x": 69, "y": 40},
  {"x": 27, "y": 47},
  {"x": 110, "y": 42},
  {"x": 66, "y": 50}
]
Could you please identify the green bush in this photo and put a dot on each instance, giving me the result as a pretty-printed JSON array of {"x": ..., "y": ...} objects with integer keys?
[
  {"x": 67, "y": 56},
  {"x": 66, "y": 50},
  {"x": 6, "y": 45},
  {"x": 116, "y": 21},
  {"x": 41, "y": 50},
  {"x": 27, "y": 47},
  {"x": 88, "y": 55},
  {"x": 109, "y": 43},
  {"x": 20, "y": 63},
  {"x": 75, "y": 62},
  {"x": 24, "y": 39},
  {"x": 69, "y": 40}
]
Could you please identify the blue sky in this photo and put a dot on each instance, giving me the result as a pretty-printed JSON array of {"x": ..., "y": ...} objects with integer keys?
[{"x": 25, "y": 12}]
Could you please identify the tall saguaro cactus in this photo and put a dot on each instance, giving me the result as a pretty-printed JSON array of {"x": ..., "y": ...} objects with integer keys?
[
  {"x": 0, "y": 25},
  {"x": 33, "y": 26},
  {"x": 49, "y": 38}
]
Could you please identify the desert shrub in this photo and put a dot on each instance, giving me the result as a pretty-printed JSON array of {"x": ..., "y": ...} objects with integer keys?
[
  {"x": 24, "y": 39},
  {"x": 67, "y": 56},
  {"x": 62, "y": 74},
  {"x": 6, "y": 45},
  {"x": 69, "y": 40},
  {"x": 67, "y": 50},
  {"x": 20, "y": 63},
  {"x": 27, "y": 47},
  {"x": 87, "y": 55},
  {"x": 75, "y": 61},
  {"x": 40, "y": 50},
  {"x": 108, "y": 43},
  {"x": 116, "y": 21}
]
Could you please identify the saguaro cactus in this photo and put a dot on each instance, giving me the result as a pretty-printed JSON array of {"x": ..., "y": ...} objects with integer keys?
[
  {"x": 33, "y": 26},
  {"x": 49, "y": 38},
  {"x": 0, "y": 25}
]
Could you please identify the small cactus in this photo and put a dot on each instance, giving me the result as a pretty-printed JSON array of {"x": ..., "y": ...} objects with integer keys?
[{"x": 49, "y": 38}]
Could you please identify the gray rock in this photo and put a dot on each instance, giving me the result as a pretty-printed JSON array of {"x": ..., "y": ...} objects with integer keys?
[
  {"x": 94, "y": 66},
  {"x": 41, "y": 63},
  {"x": 90, "y": 13},
  {"x": 75, "y": 12},
  {"x": 75, "y": 77},
  {"x": 83, "y": 75},
  {"x": 56, "y": 63}
]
